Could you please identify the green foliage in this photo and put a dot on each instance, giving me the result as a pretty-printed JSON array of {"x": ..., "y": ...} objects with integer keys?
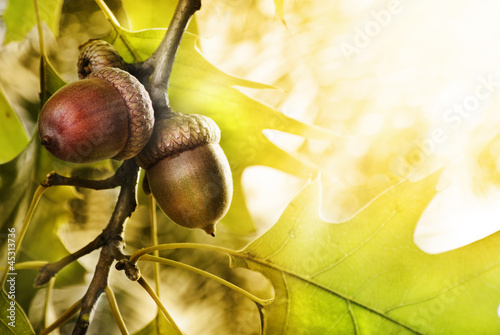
[
  {"x": 12, "y": 134},
  {"x": 21, "y": 324},
  {"x": 20, "y": 177},
  {"x": 50, "y": 81},
  {"x": 151, "y": 14},
  {"x": 366, "y": 276},
  {"x": 158, "y": 326},
  {"x": 20, "y": 17},
  {"x": 16, "y": 187}
]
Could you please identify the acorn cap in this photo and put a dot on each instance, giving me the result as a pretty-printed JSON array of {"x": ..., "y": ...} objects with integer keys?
[
  {"x": 139, "y": 107},
  {"x": 97, "y": 54},
  {"x": 178, "y": 133}
]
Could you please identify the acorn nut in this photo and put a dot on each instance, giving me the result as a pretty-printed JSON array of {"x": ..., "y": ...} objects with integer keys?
[
  {"x": 187, "y": 171},
  {"x": 97, "y": 54},
  {"x": 107, "y": 115}
]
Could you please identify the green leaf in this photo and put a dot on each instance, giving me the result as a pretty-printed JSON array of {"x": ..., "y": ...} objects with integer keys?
[
  {"x": 158, "y": 326},
  {"x": 198, "y": 87},
  {"x": 16, "y": 187},
  {"x": 20, "y": 17},
  {"x": 366, "y": 276},
  {"x": 50, "y": 80},
  {"x": 152, "y": 14},
  {"x": 12, "y": 317},
  {"x": 13, "y": 137}
]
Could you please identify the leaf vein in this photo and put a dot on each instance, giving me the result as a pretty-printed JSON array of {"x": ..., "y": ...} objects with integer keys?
[
  {"x": 448, "y": 289},
  {"x": 284, "y": 271},
  {"x": 353, "y": 317}
]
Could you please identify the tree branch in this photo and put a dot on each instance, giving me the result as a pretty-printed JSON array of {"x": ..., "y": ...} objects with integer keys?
[
  {"x": 51, "y": 269},
  {"x": 95, "y": 290},
  {"x": 126, "y": 176},
  {"x": 112, "y": 249},
  {"x": 55, "y": 179},
  {"x": 162, "y": 60}
]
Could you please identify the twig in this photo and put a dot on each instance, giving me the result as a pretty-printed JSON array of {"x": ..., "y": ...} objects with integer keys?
[
  {"x": 55, "y": 179},
  {"x": 51, "y": 269},
  {"x": 96, "y": 288},
  {"x": 112, "y": 249},
  {"x": 48, "y": 302},
  {"x": 113, "y": 305},
  {"x": 126, "y": 203},
  {"x": 126, "y": 173},
  {"x": 154, "y": 239},
  {"x": 162, "y": 60}
]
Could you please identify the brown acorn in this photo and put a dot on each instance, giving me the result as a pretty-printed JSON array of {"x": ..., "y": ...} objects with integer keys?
[
  {"x": 97, "y": 54},
  {"x": 107, "y": 115},
  {"x": 187, "y": 171}
]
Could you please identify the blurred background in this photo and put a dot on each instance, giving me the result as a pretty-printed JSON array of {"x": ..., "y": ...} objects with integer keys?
[{"x": 411, "y": 87}]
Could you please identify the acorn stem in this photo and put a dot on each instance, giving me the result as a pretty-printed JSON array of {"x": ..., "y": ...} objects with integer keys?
[
  {"x": 160, "y": 305},
  {"x": 134, "y": 258},
  {"x": 115, "y": 311},
  {"x": 163, "y": 58},
  {"x": 236, "y": 288},
  {"x": 63, "y": 318}
]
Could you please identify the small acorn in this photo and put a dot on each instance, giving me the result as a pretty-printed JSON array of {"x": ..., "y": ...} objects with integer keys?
[
  {"x": 97, "y": 54},
  {"x": 187, "y": 171},
  {"x": 107, "y": 115}
]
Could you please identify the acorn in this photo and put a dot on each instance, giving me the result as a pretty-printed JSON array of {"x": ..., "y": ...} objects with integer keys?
[
  {"x": 107, "y": 115},
  {"x": 97, "y": 54},
  {"x": 187, "y": 171}
]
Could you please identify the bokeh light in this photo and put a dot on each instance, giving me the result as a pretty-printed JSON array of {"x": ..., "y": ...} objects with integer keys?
[{"x": 412, "y": 87}]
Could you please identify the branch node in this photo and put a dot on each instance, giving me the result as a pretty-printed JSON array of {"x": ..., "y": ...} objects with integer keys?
[
  {"x": 52, "y": 179},
  {"x": 44, "y": 275},
  {"x": 131, "y": 271}
]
